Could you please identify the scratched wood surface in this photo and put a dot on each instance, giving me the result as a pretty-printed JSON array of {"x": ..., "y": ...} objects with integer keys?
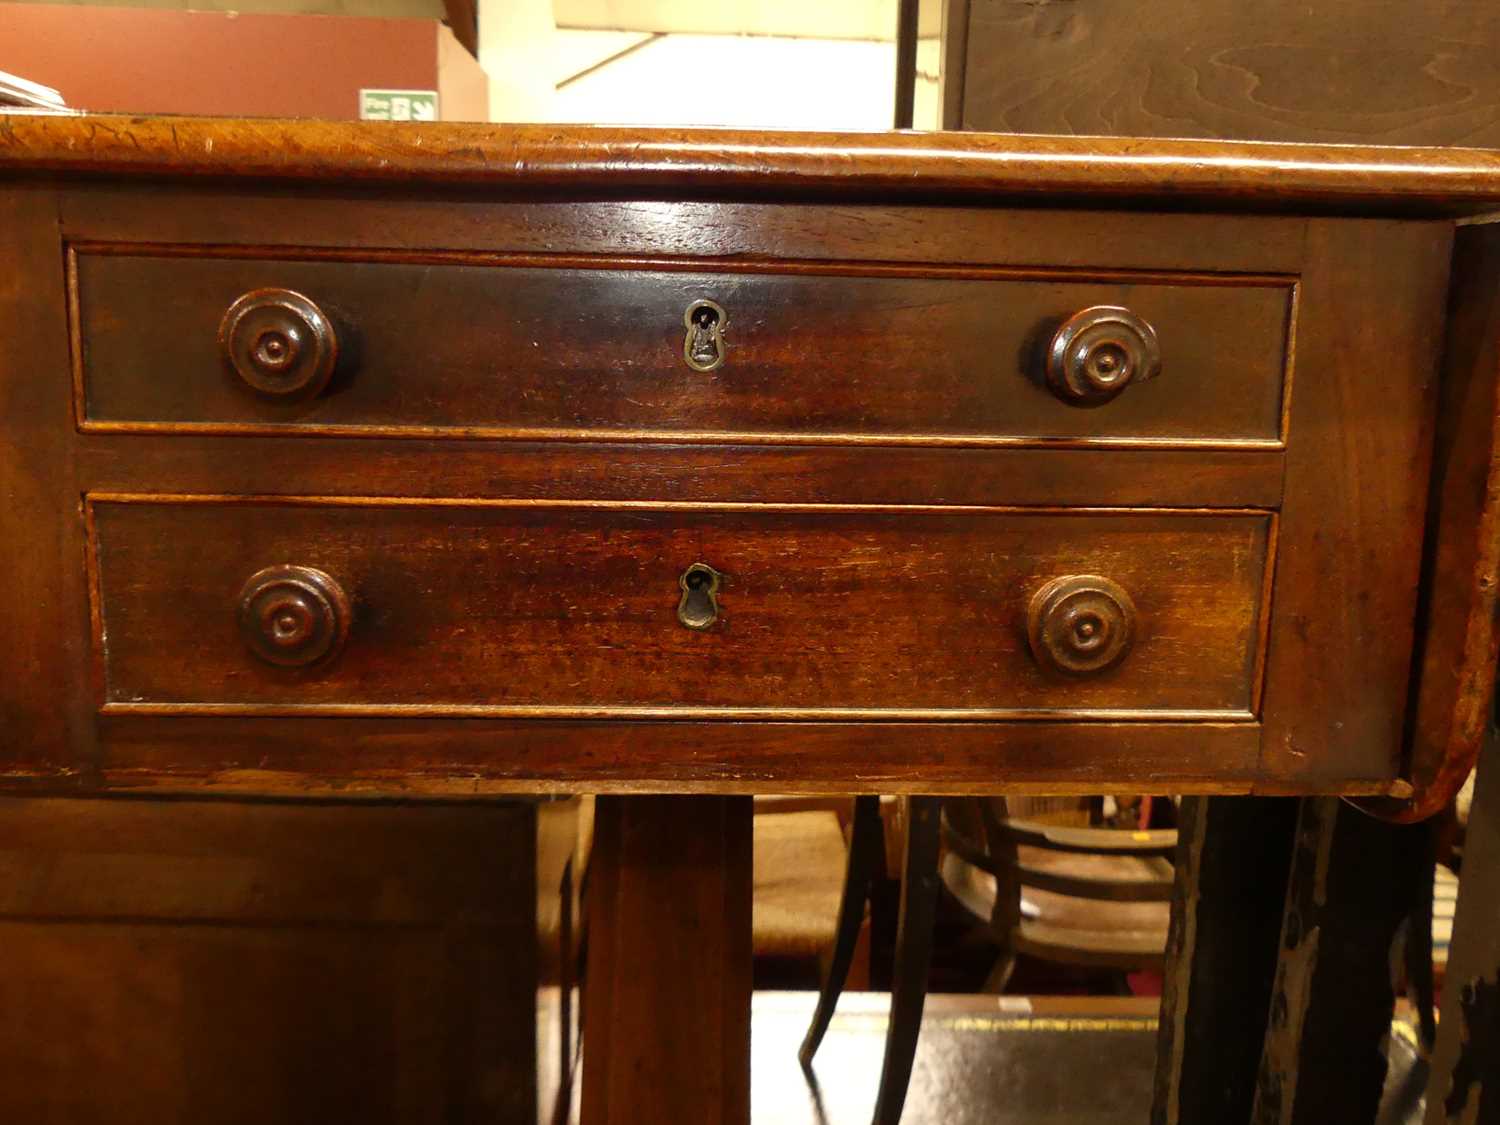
[
  {"x": 575, "y": 610},
  {"x": 675, "y": 162}
]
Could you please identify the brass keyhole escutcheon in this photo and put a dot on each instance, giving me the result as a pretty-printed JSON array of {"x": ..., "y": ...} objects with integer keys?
[
  {"x": 699, "y": 605},
  {"x": 703, "y": 345}
]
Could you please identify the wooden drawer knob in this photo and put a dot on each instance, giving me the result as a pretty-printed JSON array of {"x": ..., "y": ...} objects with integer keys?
[
  {"x": 1099, "y": 352},
  {"x": 293, "y": 616},
  {"x": 279, "y": 342},
  {"x": 1080, "y": 624}
]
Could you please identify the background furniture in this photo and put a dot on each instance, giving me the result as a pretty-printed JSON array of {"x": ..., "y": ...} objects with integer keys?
[
  {"x": 1077, "y": 895},
  {"x": 284, "y": 961},
  {"x": 1420, "y": 72}
]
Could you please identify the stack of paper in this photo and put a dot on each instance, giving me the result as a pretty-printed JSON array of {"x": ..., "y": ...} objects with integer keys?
[{"x": 19, "y": 92}]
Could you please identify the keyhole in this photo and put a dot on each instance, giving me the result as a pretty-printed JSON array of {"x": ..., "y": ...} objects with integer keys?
[
  {"x": 699, "y": 606},
  {"x": 703, "y": 346}
]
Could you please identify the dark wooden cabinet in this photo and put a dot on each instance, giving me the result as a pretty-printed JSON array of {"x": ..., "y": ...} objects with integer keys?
[
  {"x": 1344, "y": 71},
  {"x": 183, "y": 962},
  {"x": 471, "y": 458}
]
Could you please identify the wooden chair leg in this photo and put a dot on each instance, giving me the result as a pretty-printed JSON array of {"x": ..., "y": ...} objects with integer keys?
[
  {"x": 919, "y": 896},
  {"x": 865, "y": 850}
]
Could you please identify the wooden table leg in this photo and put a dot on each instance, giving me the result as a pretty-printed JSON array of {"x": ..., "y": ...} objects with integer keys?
[
  {"x": 1465, "y": 1084},
  {"x": 1233, "y": 856},
  {"x": 1354, "y": 885},
  {"x": 667, "y": 993}
]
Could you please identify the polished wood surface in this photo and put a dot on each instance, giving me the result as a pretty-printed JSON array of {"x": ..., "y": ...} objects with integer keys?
[
  {"x": 878, "y": 358},
  {"x": 824, "y": 613},
  {"x": 210, "y": 961},
  {"x": 1359, "y": 464},
  {"x": 667, "y": 1017},
  {"x": 199, "y": 468},
  {"x": 516, "y": 461},
  {"x": 1458, "y": 633},
  {"x": 675, "y": 161}
]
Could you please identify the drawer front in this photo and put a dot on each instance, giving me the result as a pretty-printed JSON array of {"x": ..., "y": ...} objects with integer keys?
[
  {"x": 808, "y": 354},
  {"x": 592, "y": 610}
]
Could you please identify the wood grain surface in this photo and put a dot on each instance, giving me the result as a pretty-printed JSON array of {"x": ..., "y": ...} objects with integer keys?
[
  {"x": 180, "y": 962},
  {"x": 684, "y": 162},
  {"x": 41, "y": 608},
  {"x": 1458, "y": 632},
  {"x": 1364, "y": 297},
  {"x": 1359, "y": 448},
  {"x": 1400, "y": 72},
  {"x": 667, "y": 1008},
  {"x": 550, "y": 610},
  {"x": 813, "y": 352}
]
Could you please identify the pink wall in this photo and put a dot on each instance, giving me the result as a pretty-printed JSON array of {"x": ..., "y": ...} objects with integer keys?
[{"x": 148, "y": 60}]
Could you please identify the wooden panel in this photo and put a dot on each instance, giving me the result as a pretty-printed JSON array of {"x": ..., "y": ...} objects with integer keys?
[
  {"x": 42, "y": 607},
  {"x": 240, "y": 214},
  {"x": 1142, "y": 477},
  {"x": 467, "y": 756},
  {"x": 676, "y": 162},
  {"x": 667, "y": 1006},
  {"x": 1349, "y": 548},
  {"x": 1458, "y": 629},
  {"x": 599, "y": 352},
  {"x": 184, "y": 962},
  {"x": 572, "y": 610},
  {"x": 1407, "y": 72}
]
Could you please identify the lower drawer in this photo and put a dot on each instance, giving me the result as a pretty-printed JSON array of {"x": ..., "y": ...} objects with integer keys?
[{"x": 213, "y": 605}]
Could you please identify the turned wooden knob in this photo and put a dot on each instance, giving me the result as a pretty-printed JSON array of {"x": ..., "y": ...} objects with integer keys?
[
  {"x": 1099, "y": 352},
  {"x": 279, "y": 342},
  {"x": 1080, "y": 624},
  {"x": 293, "y": 616}
]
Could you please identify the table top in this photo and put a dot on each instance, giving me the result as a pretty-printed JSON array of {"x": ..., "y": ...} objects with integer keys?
[{"x": 687, "y": 162}]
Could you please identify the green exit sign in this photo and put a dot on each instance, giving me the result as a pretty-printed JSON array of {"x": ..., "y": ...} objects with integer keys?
[{"x": 398, "y": 105}]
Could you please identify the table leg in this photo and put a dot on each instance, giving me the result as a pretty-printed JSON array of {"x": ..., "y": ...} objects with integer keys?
[
  {"x": 667, "y": 992},
  {"x": 1465, "y": 1084},
  {"x": 1233, "y": 856},
  {"x": 1355, "y": 883}
]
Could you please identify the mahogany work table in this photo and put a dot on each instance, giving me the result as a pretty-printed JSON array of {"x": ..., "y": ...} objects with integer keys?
[{"x": 426, "y": 459}]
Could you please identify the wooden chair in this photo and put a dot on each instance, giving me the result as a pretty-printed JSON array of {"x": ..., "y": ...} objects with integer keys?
[
  {"x": 799, "y": 862},
  {"x": 1057, "y": 860},
  {"x": 1092, "y": 897}
]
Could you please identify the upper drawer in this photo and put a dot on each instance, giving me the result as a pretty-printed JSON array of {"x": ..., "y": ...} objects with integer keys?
[
  {"x": 809, "y": 354},
  {"x": 607, "y": 610}
]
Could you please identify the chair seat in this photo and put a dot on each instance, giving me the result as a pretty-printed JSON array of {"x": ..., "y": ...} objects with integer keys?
[
  {"x": 1066, "y": 929},
  {"x": 1096, "y": 876},
  {"x": 799, "y": 877}
]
